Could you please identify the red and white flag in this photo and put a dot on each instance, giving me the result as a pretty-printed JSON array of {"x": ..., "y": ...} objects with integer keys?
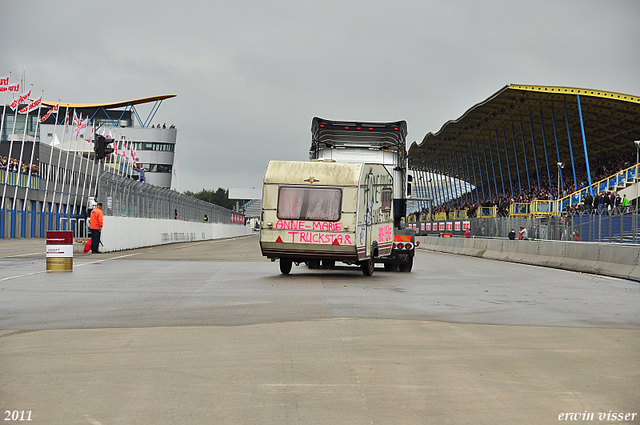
[
  {"x": 66, "y": 122},
  {"x": 90, "y": 138},
  {"x": 18, "y": 100},
  {"x": 82, "y": 127},
  {"x": 115, "y": 148},
  {"x": 15, "y": 87},
  {"x": 124, "y": 149},
  {"x": 4, "y": 81},
  {"x": 133, "y": 155},
  {"x": 30, "y": 107},
  {"x": 53, "y": 110}
]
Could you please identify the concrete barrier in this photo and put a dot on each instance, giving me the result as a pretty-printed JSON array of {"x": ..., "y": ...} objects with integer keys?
[
  {"x": 120, "y": 233},
  {"x": 605, "y": 259}
]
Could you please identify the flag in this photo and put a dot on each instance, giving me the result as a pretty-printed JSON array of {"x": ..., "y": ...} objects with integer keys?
[
  {"x": 18, "y": 100},
  {"x": 15, "y": 87},
  {"x": 90, "y": 138},
  {"x": 124, "y": 149},
  {"x": 81, "y": 126},
  {"x": 66, "y": 121},
  {"x": 133, "y": 155},
  {"x": 30, "y": 107},
  {"x": 4, "y": 81},
  {"x": 115, "y": 148},
  {"x": 52, "y": 110}
]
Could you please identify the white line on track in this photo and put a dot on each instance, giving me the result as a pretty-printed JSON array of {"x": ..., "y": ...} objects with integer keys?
[{"x": 75, "y": 265}]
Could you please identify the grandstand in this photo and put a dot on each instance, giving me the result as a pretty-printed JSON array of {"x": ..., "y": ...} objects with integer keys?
[{"x": 533, "y": 142}]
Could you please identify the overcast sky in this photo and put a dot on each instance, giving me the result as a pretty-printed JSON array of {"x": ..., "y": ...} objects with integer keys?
[{"x": 250, "y": 75}]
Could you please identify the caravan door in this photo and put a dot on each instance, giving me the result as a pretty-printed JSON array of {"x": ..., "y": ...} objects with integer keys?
[{"x": 368, "y": 216}]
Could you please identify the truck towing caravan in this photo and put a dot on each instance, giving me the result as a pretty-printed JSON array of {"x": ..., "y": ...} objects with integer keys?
[
  {"x": 377, "y": 142},
  {"x": 347, "y": 204},
  {"x": 324, "y": 211}
]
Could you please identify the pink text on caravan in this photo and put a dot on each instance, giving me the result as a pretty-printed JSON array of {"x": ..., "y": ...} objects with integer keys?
[{"x": 322, "y": 238}]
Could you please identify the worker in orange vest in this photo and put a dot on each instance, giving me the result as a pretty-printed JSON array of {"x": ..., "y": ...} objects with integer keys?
[{"x": 96, "y": 227}]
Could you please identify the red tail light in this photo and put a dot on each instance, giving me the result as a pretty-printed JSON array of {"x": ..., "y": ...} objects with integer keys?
[
  {"x": 409, "y": 245},
  {"x": 400, "y": 245},
  {"x": 393, "y": 246}
]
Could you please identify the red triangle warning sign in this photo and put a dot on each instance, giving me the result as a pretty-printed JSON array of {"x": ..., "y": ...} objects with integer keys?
[
  {"x": 279, "y": 240},
  {"x": 335, "y": 242}
]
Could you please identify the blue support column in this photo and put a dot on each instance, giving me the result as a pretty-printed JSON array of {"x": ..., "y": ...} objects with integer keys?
[
  {"x": 584, "y": 143},
  {"x": 445, "y": 189},
  {"x": 450, "y": 184},
  {"x": 480, "y": 170},
  {"x": 462, "y": 196},
  {"x": 493, "y": 168},
  {"x": 466, "y": 160},
  {"x": 33, "y": 219},
  {"x": 495, "y": 132},
  {"x": 436, "y": 189},
  {"x": 524, "y": 152},
  {"x": 23, "y": 222},
  {"x": 535, "y": 157},
  {"x": 515, "y": 155},
  {"x": 506, "y": 154},
  {"x": 546, "y": 157},
  {"x": 573, "y": 164},
  {"x": 437, "y": 184},
  {"x": 463, "y": 181},
  {"x": 13, "y": 224},
  {"x": 555, "y": 136}
]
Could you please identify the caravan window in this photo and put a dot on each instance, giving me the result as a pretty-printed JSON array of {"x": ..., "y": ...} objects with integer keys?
[
  {"x": 309, "y": 203},
  {"x": 387, "y": 199}
]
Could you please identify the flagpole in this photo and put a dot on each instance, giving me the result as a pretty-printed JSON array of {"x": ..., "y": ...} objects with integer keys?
[
  {"x": 46, "y": 190},
  {"x": 33, "y": 148},
  {"x": 13, "y": 130},
  {"x": 66, "y": 170},
  {"x": 73, "y": 167},
  {"x": 24, "y": 136},
  {"x": 55, "y": 186},
  {"x": 75, "y": 199},
  {"x": 130, "y": 167},
  {"x": 86, "y": 169}
]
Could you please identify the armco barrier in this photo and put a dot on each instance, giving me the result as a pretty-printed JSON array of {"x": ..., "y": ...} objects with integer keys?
[
  {"x": 120, "y": 233},
  {"x": 606, "y": 259}
]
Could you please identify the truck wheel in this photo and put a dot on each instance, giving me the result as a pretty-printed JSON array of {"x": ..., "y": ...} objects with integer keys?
[
  {"x": 406, "y": 267},
  {"x": 328, "y": 264},
  {"x": 367, "y": 267},
  {"x": 285, "y": 266}
]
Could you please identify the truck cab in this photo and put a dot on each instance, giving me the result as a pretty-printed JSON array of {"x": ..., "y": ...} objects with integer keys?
[{"x": 372, "y": 142}]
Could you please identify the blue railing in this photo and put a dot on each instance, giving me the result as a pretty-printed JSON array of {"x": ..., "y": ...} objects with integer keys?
[{"x": 609, "y": 183}]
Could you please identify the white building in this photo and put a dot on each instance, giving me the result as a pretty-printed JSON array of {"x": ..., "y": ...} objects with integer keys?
[{"x": 154, "y": 142}]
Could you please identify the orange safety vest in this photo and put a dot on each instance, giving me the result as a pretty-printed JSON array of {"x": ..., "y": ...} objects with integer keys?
[{"x": 96, "y": 219}]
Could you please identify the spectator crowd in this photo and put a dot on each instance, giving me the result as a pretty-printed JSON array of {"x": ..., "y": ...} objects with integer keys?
[
  {"x": 604, "y": 202},
  {"x": 14, "y": 165}
]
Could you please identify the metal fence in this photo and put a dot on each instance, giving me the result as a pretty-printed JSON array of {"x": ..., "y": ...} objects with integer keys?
[
  {"x": 124, "y": 197},
  {"x": 621, "y": 228}
]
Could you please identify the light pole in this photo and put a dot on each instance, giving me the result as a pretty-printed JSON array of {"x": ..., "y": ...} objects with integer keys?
[{"x": 560, "y": 167}]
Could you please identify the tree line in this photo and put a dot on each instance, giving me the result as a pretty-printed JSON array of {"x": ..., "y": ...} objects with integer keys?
[{"x": 218, "y": 197}]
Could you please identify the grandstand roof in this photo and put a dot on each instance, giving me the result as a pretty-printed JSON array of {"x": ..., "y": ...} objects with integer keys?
[
  {"x": 517, "y": 112},
  {"x": 111, "y": 105}
]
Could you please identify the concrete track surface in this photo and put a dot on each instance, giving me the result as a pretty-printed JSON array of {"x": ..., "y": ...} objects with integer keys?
[{"x": 211, "y": 333}]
